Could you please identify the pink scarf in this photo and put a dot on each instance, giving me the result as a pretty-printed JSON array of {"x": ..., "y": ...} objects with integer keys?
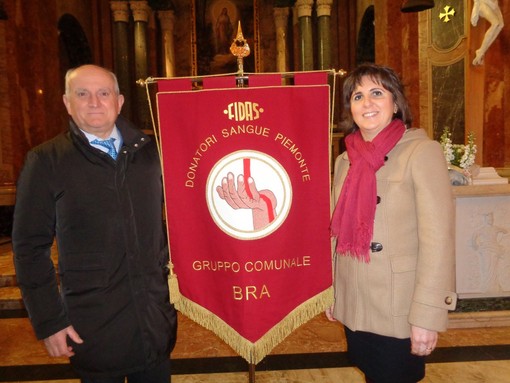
[{"x": 353, "y": 219}]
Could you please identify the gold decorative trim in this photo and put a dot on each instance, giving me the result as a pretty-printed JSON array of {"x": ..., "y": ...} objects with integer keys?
[{"x": 253, "y": 353}]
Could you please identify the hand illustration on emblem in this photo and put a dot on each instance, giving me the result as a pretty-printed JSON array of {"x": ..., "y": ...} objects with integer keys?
[
  {"x": 248, "y": 194},
  {"x": 245, "y": 195}
]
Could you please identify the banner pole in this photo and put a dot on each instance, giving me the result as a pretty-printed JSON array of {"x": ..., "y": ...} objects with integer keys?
[{"x": 251, "y": 375}]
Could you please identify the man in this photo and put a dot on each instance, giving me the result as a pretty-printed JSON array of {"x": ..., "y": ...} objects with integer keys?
[{"x": 112, "y": 315}]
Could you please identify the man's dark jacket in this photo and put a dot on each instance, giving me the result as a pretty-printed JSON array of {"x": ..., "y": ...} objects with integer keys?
[{"x": 106, "y": 216}]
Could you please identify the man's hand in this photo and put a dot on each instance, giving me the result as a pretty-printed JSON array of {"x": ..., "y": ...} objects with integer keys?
[{"x": 56, "y": 344}]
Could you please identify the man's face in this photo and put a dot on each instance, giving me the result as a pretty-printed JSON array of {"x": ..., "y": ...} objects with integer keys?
[{"x": 92, "y": 101}]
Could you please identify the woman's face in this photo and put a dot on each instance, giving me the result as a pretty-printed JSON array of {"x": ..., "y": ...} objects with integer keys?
[{"x": 372, "y": 108}]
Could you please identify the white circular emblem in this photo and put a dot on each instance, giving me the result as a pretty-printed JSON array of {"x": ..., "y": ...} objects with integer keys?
[{"x": 233, "y": 206}]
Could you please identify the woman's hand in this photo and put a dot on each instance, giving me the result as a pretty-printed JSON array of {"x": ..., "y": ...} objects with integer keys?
[
  {"x": 423, "y": 341},
  {"x": 329, "y": 314}
]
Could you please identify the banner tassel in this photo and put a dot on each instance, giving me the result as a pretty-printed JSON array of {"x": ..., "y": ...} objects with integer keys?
[
  {"x": 253, "y": 353},
  {"x": 173, "y": 285}
]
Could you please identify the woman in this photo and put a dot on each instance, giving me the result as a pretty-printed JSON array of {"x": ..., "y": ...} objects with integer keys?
[{"x": 394, "y": 229}]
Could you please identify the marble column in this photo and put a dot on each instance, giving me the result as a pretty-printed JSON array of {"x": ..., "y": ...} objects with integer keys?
[
  {"x": 296, "y": 45},
  {"x": 304, "y": 9},
  {"x": 141, "y": 12},
  {"x": 324, "y": 27},
  {"x": 121, "y": 59},
  {"x": 281, "y": 17},
  {"x": 167, "y": 22}
]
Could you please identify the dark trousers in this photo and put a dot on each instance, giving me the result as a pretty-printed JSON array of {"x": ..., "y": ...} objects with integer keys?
[
  {"x": 158, "y": 374},
  {"x": 384, "y": 359}
]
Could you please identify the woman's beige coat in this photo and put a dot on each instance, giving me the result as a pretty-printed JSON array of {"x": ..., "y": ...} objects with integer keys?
[{"x": 411, "y": 281}]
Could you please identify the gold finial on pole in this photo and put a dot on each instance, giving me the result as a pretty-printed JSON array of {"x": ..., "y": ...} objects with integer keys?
[
  {"x": 142, "y": 82},
  {"x": 240, "y": 49}
]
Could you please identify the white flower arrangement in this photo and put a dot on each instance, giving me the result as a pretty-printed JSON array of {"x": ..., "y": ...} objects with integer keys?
[{"x": 462, "y": 156}]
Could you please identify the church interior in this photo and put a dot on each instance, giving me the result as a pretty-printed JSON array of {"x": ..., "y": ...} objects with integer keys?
[{"x": 456, "y": 76}]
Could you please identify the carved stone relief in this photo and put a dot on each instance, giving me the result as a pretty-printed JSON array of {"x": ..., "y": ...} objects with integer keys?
[{"x": 483, "y": 246}]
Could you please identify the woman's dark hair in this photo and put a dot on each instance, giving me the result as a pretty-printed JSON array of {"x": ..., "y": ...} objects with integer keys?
[{"x": 383, "y": 76}]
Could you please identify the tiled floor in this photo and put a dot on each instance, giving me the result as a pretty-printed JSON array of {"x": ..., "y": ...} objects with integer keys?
[{"x": 313, "y": 353}]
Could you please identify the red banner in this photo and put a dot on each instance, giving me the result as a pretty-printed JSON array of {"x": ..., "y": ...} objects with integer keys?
[{"x": 247, "y": 180}]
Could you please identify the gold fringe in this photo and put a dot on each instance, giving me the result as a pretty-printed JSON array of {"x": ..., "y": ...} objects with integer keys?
[
  {"x": 253, "y": 353},
  {"x": 173, "y": 285}
]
